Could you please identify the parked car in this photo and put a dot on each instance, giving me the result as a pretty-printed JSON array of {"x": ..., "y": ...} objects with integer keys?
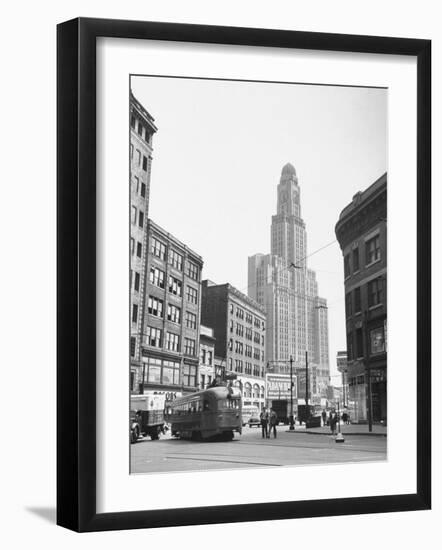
[{"x": 254, "y": 421}]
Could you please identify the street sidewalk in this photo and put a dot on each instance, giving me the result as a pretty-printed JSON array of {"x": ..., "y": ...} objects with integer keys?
[{"x": 346, "y": 429}]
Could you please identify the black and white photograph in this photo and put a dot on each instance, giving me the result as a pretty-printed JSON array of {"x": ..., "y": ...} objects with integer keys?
[{"x": 258, "y": 274}]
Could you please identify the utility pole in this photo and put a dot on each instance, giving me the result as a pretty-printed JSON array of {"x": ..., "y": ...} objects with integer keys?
[
  {"x": 292, "y": 423},
  {"x": 307, "y": 409}
]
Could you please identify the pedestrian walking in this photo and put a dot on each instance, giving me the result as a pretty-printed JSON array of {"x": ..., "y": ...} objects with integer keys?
[
  {"x": 273, "y": 422},
  {"x": 345, "y": 417},
  {"x": 264, "y": 417},
  {"x": 333, "y": 419},
  {"x": 324, "y": 417}
]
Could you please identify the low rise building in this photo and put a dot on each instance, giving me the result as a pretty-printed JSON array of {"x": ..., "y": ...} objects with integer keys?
[
  {"x": 172, "y": 311},
  {"x": 239, "y": 325},
  {"x": 362, "y": 235}
]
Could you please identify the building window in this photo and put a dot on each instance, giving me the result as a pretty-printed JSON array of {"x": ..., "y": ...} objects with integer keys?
[
  {"x": 141, "y": 218},
  {"x": 189, "y": 375},
  {"x": 139, "y": 249},
  {"x": 137, "y": 281},
  {"x": 133, "y": 343},
  {"x": 210, "y": 358},
  {"x": 190, "y": 320},
  {"x": 155, "y": 306},
  {"x": 154, "y": 371},
  {"x": 357, "y": 299},
  {"x": 375, "y": 292},
  {"x": 356, "y": 259},
  {"x": 175, "y": 260},
  {"x": 377, "y": 341},
  {"x": 172, "y": 342},
  {"x": 140, "y": 128},
  {"x": 193, "y": 271},
  {"x": 144, "y": 163},
  {"x": 189, "y": 346},
  {"x": 131, "y": 150},
  {"x": 348, "y": 308},
  {"x": 136, "y": 183},
  {"x": 239, "y": 329},
  {"x": 156, "y": 277},
  {"x": 143, "y": 189},
  {"x": 138, "y": 157},
  {"x": 372, "y": 250},
  {"x": 173, "y": 314},
  {"x": 158, "y": 249},
  {"x": 359, "y": 343},
  {"x": 153, "y": 337},
  {"x": 239, "y": 313},
  {"x": 132, "y": 246},
  {"x": 349, "y": 346},
  {"x": 132, "y": 121},
  {"x": 347, "y": 265},
  {"x": 192, "y": 295},
  {"x": 133, "y": 216},
  {"x": 175, "y": 286},
  {"x": 203, "y": 356},
  {"x": 171, "y": 372},
  {"x": 134, "y": 313}
]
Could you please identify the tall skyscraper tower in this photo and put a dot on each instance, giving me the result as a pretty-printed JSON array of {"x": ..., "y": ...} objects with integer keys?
[{"x": 281, "y": 282}]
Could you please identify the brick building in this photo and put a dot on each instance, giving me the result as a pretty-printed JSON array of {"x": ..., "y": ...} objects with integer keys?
[
  {"x": 362, "y": 234},
  {"x": 171, "y": 325},
  {"x": 239, "y": 325},
  {"x": 142, "y": 128}
]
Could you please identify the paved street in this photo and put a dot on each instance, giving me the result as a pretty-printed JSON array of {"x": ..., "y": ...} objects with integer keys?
[{"x": 250, "y": 450}]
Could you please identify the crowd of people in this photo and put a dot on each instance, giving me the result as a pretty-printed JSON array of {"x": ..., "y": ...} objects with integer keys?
[{"x": 331, "y": 419}]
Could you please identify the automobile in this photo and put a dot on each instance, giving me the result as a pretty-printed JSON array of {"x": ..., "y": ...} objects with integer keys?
[{"x": 254, "y": 421}]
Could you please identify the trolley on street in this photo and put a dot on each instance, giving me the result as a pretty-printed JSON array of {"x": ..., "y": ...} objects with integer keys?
[{"x": 205, "y": 414}]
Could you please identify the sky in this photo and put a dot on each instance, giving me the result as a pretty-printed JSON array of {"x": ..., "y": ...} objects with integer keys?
[{"x": 217, "y": 161}]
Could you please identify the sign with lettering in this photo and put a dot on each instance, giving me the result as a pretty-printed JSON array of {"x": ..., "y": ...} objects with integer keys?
[{"x": 278, "y": 386}]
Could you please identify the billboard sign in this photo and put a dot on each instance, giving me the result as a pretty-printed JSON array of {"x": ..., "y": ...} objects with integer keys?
[{"x": 278, "y": 386}]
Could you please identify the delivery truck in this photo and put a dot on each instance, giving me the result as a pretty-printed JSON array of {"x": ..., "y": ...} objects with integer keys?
[{"x": 146, "y": 415}]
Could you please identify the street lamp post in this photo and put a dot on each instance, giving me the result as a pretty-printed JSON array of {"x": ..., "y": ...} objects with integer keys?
[{"x": 292, "y": 423}]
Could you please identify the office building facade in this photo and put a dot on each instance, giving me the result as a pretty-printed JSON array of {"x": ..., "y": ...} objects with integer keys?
[
  {"x": 362, "y": 235},
  {"x": 142, "y": 129},
  {"x": 286, "y": 288},
  {"x": 172, "y": 311},
  {"x": 239, "y": 325}
]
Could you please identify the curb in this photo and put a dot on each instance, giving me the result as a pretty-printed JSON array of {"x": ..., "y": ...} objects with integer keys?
[{"x": 371, "y": 434}]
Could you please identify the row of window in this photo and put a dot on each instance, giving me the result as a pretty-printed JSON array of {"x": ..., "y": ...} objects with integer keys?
[
  {"x": 138, "y": 248},
  {"x": 158, "y": 249},
  {"x": 249, "y": 318},
  {"x": 157, "y": 276},
  {"x": 139, "y": 189},
  {"x": 140, "y": 159},
  {"x": 206, "y": 357},
  {"x": 375, "y": 296},
  {"x": 133, "y": 217},
  {"x": 155, "y": 307},
  {"x": 372, "y": 254},
  {"x": 376, "y": 343},
  {"x": 142, "y": 130},
  {"x": 168, "y": 373},
  {"x": 154, "y": 339}
]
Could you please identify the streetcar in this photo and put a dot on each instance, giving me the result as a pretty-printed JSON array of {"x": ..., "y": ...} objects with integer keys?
[{"x": 203, "y": 415}]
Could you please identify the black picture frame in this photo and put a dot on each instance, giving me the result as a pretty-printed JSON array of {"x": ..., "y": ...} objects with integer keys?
[{"x": 76, "y": 273}]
